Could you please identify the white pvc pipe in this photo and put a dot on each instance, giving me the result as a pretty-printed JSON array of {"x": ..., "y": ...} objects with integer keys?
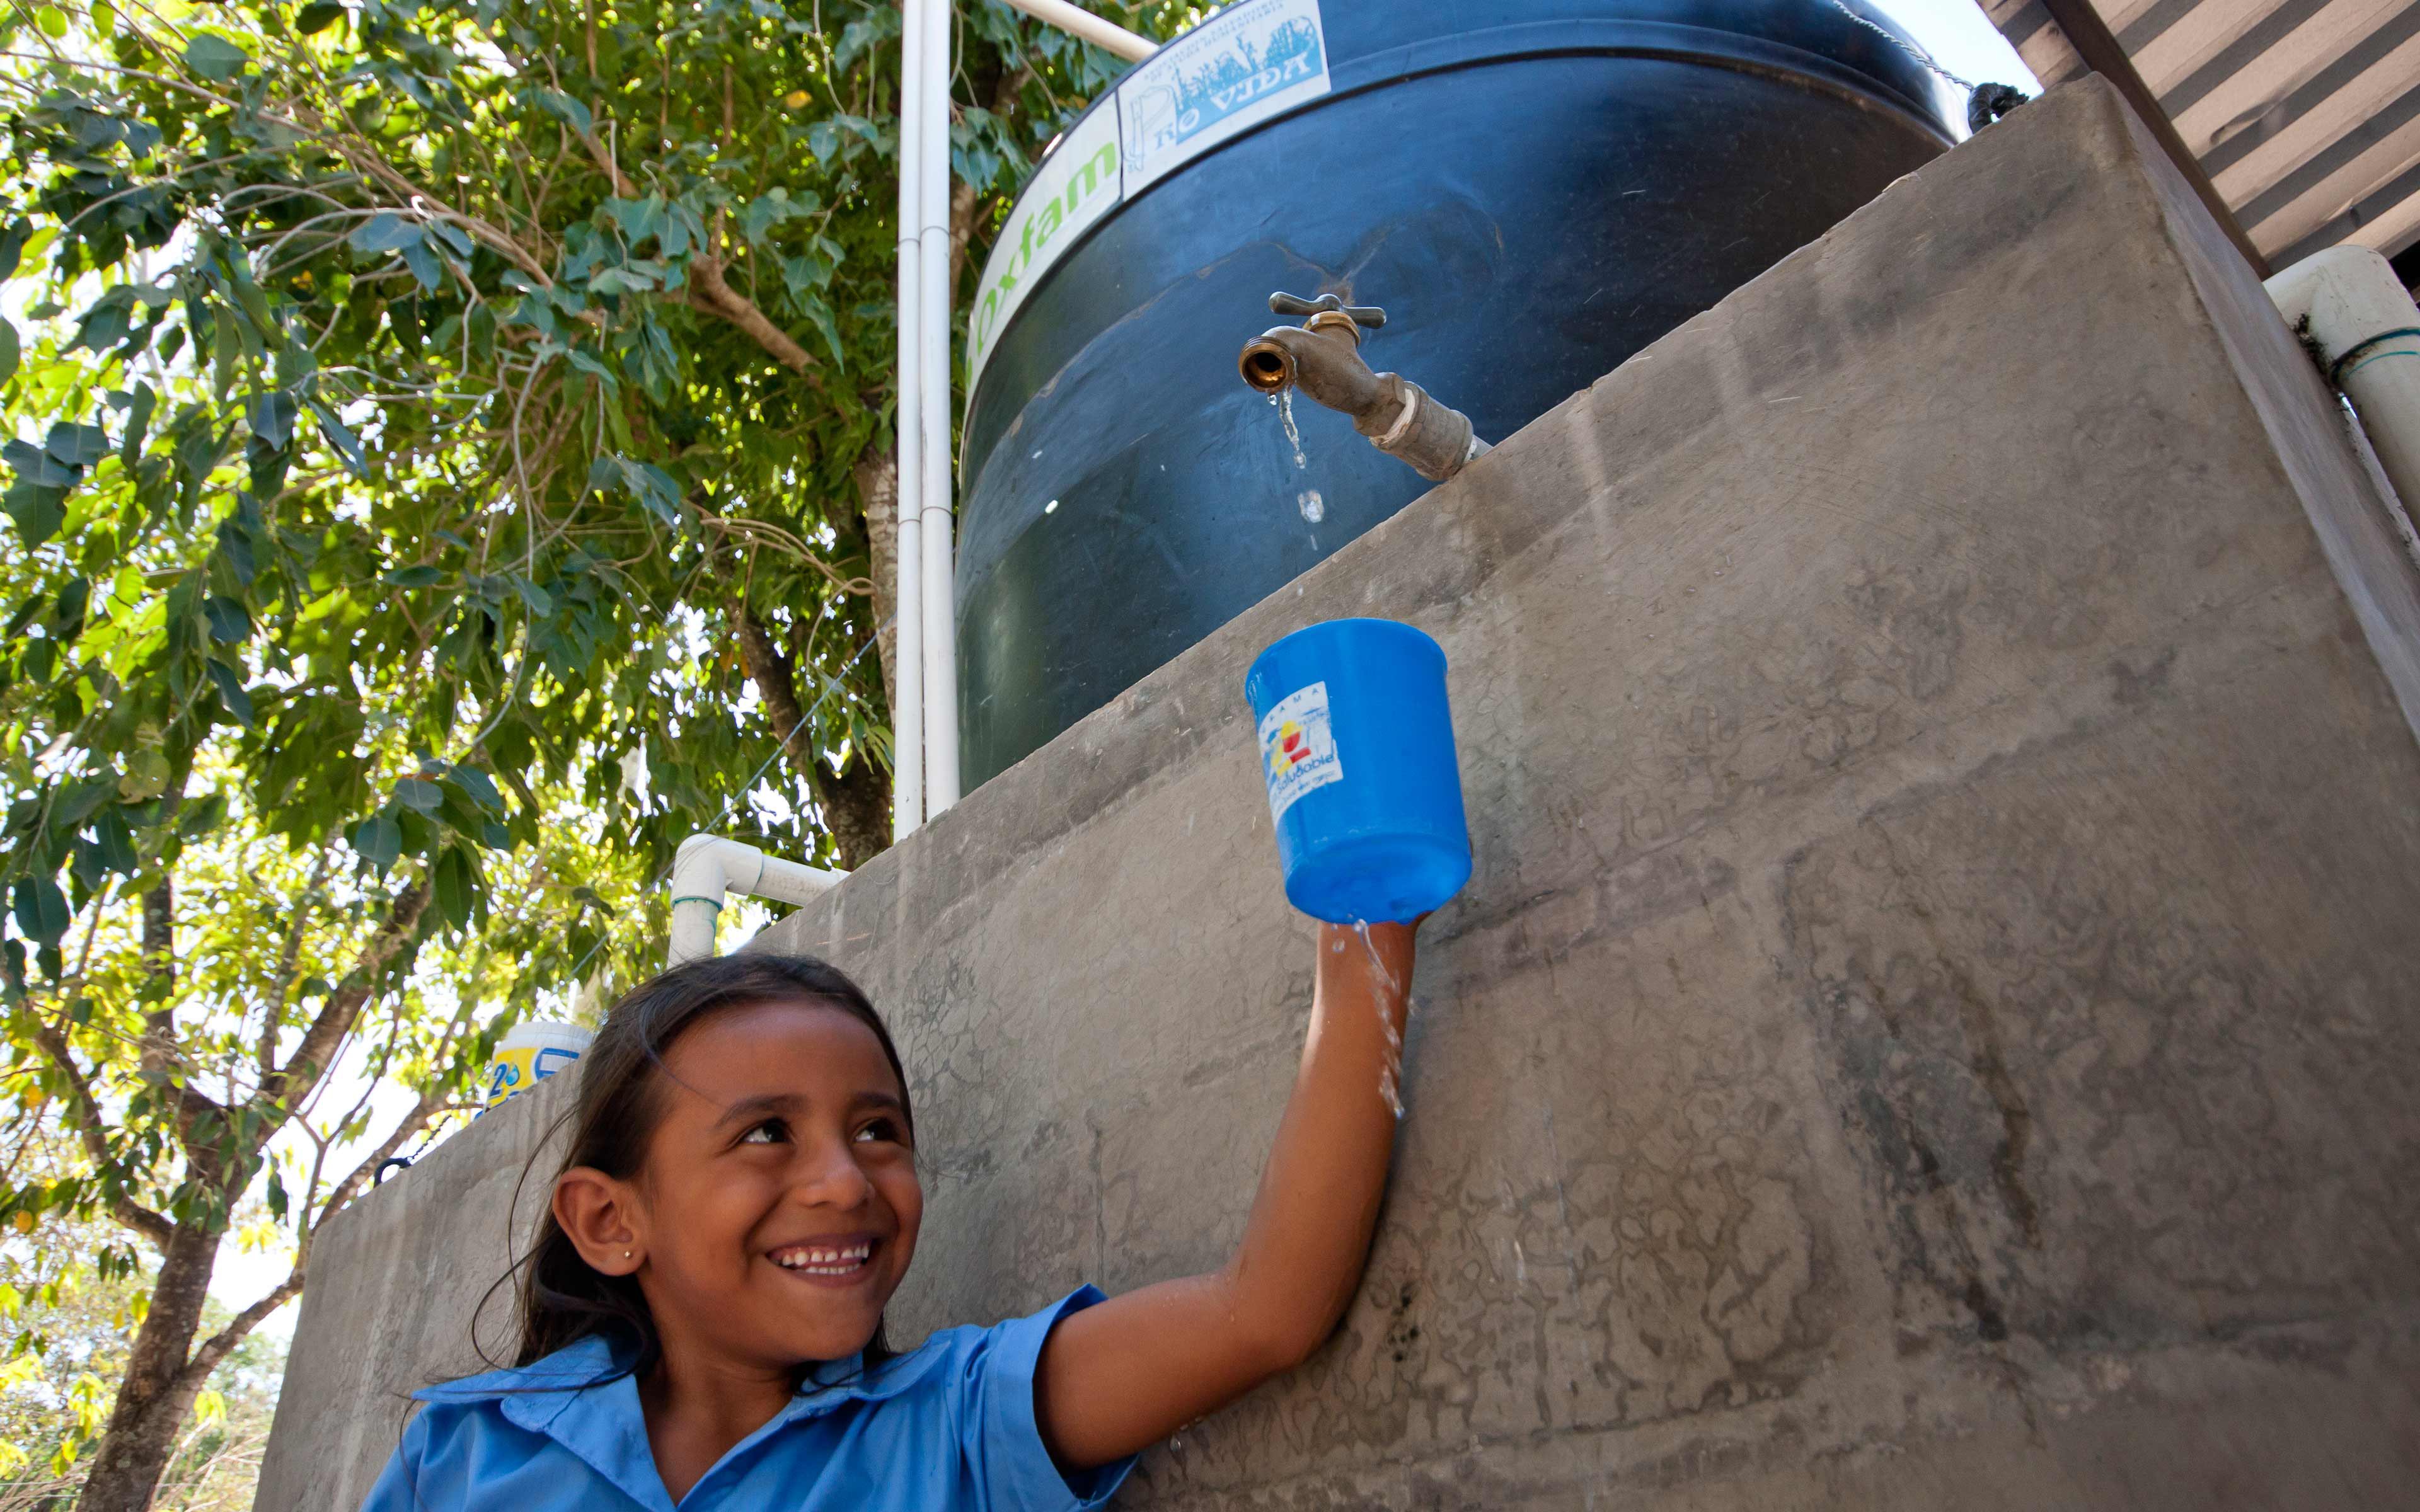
[
  {"x": 2368, "y": 332},
  {"x": 934, "y": 372},
  {"x": 925, "y": 718},
  {"x": 1091, "y": 28},
  {"x": 908, "y": 658},
  {"x": 708, "y": 867}
]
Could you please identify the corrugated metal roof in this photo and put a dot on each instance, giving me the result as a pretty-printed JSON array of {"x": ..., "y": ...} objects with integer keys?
[{"x": 2305, "y": 113}]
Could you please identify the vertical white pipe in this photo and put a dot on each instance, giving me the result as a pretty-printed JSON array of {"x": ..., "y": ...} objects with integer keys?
[
  {"x": 934, "y": 370},
  {"x": 907, "y": 659},
  {"x": 2357, "y": 312}
]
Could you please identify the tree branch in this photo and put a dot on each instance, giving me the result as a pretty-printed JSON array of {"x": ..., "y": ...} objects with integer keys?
[
  {"x": 273, "y": 1013},
  {"x": 214, "y": 1349},
  {"x": 160, "y": 978},
  {"x": 431, "y": 1102},
  {"x": 707, "y": 291},
  {"x": 856, "y": 804},
  {"x": 291, "y": 1083},
  {"x": 151, "y": 1226}
]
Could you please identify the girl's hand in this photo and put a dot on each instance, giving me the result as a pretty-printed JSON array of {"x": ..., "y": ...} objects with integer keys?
[{"x": 1117, "y": 1378}]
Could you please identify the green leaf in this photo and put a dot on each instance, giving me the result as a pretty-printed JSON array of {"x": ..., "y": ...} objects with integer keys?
[
  {"x": 215, "y": 57},
  {"x": 412, "y": 577},
  {"x": 385, "y": 232},
  {"x": 341, "y": 437},
  {"x": 12, "y": 247},
  {"x": 146, "y": 777},
  {"x": 414, "y": 793},
  {"x": 481, "y": 788},
  {"x": 861, "y": 34},
  {"x": 36, "y": 466},
  {"x": 619, "y": 281},
  {"x": 78, "y": 446},
  {"x": 235, "y": 550},
  {"x": 42, "y": 910},
  {"x": 378, "y": 841},
  {"x": 272, "y": 417},
  {"x": 229, "y": 621},
  {"x": 231, "y": 694},
  {"x": 138, "y": 422},
  {"x": 317, "y": 18},
  {"x": 37, "y": 510},
  {"x": 638, "y": 218},
  {"x": 9, "y": 350},
  {"x": 424, "y": 265},
  {"x": 571, "y": 111},
  {"x": 276, "y": 1187},
  {"x": 594, "y": 368},
  {"x": 820, "y": 313},
  {"x": 454, "y": 885},
  {"x": 540, "y": 602}
]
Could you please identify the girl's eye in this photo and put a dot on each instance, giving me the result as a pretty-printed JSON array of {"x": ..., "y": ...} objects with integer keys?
[
  {"x": 768, "y": 1133},
  {"x": 880, "y": 1130}
]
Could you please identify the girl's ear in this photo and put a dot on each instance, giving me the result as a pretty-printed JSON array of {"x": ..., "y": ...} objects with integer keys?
[{"x": 600, "y": 1216}]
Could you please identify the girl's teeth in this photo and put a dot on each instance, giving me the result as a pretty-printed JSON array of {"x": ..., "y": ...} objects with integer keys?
[{"x": 833, "y": 1261}]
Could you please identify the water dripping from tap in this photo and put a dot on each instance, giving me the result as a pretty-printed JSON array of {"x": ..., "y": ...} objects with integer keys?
[{"x": 1285, "y": 417}]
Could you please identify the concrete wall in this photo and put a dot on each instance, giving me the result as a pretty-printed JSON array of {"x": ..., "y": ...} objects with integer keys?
[{"x": 1932, "y": 1025}]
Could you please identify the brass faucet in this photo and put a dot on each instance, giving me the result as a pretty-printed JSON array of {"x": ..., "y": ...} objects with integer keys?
[{"x": 1322, "y": 357}]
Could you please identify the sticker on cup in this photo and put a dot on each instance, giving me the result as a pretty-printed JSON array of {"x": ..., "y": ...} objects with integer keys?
[
  {"x": 1298, "y": 748},
  {"x": 528, "y": 1053}
]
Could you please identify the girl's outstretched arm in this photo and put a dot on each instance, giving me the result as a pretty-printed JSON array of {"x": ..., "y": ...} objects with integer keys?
[{"x": 1119, "y": 1377}]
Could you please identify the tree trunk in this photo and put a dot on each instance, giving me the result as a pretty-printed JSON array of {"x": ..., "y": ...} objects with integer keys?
[
  {"x": 158, "y": 1391},
  {"x": 856, "y": 801},
  {"x": 878, "y": 486}
]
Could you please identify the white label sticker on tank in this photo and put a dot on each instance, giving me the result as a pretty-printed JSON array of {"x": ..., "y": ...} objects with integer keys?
[
  {"x": 1299, "y": 748},
  {"x": 1224, "y": 76},
  {"x": 1075, "y": 186}
]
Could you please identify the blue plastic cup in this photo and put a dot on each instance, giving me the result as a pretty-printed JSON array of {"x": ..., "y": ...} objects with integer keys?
[{"x": 1356, "y": 747}]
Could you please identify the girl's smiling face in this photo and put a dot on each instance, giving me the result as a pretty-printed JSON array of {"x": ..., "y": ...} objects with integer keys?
[{"x": 777, "y": 1206}]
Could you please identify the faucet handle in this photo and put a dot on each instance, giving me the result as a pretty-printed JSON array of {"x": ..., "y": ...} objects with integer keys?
[{"x": 1295, "y": 304}]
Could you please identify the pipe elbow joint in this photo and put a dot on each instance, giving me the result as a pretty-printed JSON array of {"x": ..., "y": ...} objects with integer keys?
[{"x": 707, "y": 868}]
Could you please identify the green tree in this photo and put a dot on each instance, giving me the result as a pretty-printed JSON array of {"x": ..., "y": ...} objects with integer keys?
[
  {"x": 65, "y": 1329},
  {"x": 429, "y": 416}
]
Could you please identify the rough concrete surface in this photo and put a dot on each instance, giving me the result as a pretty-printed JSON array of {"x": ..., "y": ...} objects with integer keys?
[{"x": 1931, "y": 1025}]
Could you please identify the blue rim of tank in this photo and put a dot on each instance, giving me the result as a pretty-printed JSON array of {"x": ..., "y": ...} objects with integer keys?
[{"x": 1862, "y": 83}]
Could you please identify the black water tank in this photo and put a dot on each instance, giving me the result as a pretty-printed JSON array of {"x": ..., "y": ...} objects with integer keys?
[{"x": 1534, "y": 190}]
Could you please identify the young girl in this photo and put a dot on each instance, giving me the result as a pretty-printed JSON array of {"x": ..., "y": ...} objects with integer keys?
[{"x": 702, "y": 1315}]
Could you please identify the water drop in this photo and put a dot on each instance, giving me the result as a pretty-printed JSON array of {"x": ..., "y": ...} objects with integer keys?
[
  {"x": 1050, "y": 508},
  {"x": 1314, "y": 507}
]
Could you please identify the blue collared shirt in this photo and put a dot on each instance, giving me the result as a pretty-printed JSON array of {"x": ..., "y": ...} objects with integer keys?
[{"x": 949, "y": 1425}]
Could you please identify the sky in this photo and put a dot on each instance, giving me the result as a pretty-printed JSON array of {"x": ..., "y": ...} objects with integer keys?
[
  {"x": 1963, "y": 40},
  {"x": 1955, "y": 32}
]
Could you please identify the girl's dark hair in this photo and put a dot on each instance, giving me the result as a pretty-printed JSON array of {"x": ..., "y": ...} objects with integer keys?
[{"x": 562, "y": 1299}]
